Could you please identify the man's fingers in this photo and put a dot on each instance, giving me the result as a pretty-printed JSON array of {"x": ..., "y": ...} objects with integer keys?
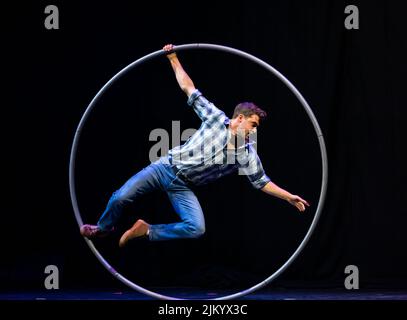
[
  {"x": 299, "y": 203},
  {"x": 168, "y": 47},
  {"x": 304, "y": 201}
]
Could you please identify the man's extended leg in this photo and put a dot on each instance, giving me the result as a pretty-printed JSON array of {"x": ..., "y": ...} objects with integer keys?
[{"x": 146, "y": 180}]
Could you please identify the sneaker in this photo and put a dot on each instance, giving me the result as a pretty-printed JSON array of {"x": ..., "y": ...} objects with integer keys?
[
  {"x": 139, "y": 229},
  {"x": 90, "y": 231}
]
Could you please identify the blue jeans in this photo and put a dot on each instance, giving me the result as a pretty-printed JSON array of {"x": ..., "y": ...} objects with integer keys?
[{"x": 159, "y": 175}]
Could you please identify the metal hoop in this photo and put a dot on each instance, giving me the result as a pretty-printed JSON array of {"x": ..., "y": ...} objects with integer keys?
[{"x": 254, "y": 59}]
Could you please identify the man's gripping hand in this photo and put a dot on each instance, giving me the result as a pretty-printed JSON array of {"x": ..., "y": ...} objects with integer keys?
[{"x": 169, "y": 49}]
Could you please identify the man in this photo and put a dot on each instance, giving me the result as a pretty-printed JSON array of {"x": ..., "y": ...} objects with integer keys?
[{"x": 198, "y": 161}]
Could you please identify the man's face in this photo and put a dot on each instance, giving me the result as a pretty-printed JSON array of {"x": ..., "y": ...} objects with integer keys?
[{"x": 248, "y": 125}]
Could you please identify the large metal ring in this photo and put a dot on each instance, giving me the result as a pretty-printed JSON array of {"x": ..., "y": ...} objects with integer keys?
[{"x": 238, "y": 53}]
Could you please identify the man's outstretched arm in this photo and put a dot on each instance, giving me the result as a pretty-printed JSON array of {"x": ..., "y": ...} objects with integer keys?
[
  {"x": 183, "y": 79},
  {"x": 274, "y": 190}
]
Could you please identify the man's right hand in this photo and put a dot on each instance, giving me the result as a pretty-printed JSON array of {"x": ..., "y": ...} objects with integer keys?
[{"x": 170, "y": 49}]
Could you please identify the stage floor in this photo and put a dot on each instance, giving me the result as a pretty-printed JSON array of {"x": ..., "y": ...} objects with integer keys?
[{"x": 187, "y": 293}]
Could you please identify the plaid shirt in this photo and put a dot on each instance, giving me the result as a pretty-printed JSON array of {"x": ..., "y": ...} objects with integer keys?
[{"x": 204, "y": 157}]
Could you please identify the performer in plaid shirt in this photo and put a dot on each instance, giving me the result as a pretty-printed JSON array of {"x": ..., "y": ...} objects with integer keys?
[{"x": 220, "y": 146}]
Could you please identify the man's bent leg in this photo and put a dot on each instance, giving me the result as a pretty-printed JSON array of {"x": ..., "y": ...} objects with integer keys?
[{"x": 187, "y": 206}]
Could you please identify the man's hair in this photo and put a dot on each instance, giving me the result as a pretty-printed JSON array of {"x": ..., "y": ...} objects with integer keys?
[{"x": 248, "y": 109}]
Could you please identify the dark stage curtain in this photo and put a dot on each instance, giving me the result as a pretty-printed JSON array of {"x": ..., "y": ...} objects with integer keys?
[{"x": 354, "y": 81}]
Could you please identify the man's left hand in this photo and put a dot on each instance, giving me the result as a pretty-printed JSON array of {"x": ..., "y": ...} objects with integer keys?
[{"x": 298, "y": 202}]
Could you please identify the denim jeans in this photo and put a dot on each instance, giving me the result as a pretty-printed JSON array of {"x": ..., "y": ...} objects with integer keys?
[{"x": 159, "y": 175}]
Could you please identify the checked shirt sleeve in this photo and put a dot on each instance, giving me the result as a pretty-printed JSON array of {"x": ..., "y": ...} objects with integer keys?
[
  {"x": 205, "y": 110},
  {"x": 254, "y": 171}
]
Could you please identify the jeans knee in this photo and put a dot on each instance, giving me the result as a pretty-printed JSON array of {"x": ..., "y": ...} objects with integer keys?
[{"x": 196, "y": 230}]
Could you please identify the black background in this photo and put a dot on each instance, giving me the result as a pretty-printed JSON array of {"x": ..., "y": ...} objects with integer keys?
[{"x": 353, "y": 79}]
